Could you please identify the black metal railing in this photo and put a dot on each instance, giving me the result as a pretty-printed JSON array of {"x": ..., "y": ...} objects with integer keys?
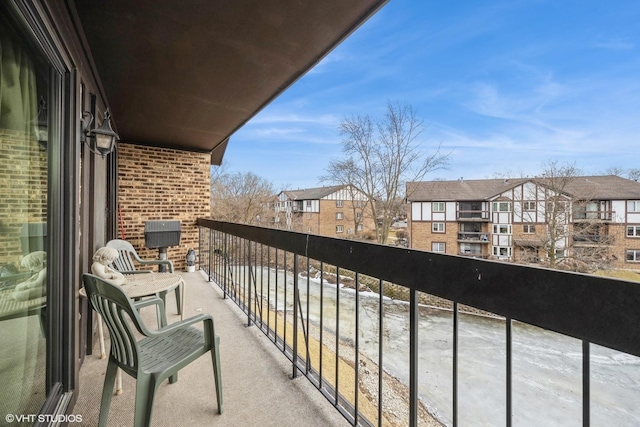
[
  {"x": 357, "y": 320},
  {"x": 599, "y": 215},
  {"x": 473, "y": 214},
  {"x": 473, "y": 236},
  {"x": 593, "y": 239}
]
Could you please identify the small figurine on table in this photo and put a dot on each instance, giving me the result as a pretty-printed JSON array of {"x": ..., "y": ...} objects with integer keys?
[
  {"x": 102, "y": 259},
  {"x": 35, "y": 285}
]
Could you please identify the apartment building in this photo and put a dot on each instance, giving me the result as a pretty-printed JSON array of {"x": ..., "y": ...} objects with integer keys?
[
  {"x": 338, "y": 211},
  {"x": 591, "y": 220}
]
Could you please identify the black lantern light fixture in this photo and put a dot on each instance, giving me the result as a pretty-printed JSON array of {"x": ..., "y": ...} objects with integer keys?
[
  {"x": 41, "y": 125},
  {"x": 104, "y": 136}
]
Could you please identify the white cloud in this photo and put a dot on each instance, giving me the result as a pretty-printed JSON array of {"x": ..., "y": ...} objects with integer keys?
[{"x": 615, "y": 44}]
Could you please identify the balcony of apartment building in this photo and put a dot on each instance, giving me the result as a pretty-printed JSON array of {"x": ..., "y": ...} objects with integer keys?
[
  {"x": 315, "y": 330},
  {"x": 592, "y": 212},
  {"x": 297, "y": 206},
  {"x": 473, "y": 211},
  {"x": 591, "y": 234},
  {"x": 323, "y": 331}
]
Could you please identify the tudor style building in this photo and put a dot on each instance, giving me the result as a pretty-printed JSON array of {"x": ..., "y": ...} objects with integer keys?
[
  {"x": 337, "y": 211},
  {"x": 593, "y": 220}
]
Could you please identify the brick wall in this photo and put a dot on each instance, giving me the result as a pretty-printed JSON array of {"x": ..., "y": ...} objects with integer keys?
[
  {"x": 23, "y": 190},
  {"x": 162, "y": 184},
  {"x": 421, "y": 236},
  {"x": 621, "y": 242}
]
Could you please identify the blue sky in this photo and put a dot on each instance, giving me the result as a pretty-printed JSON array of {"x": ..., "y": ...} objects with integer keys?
[{"x": 502, "y": 85}]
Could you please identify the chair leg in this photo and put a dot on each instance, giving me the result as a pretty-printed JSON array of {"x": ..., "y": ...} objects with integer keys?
[
  {"x": 107, "y": 392},
  {"x": 145, "y": 391},
  {"x": 215, "y": 357},
  {"x": 103, "y": 352},
  {"x": 173, "y": 378}
]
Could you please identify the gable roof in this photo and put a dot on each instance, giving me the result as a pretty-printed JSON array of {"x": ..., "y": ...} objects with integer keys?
[
  {"x": 606, "y": 187},
  {"x": 314, "y": 193},
  {"x": 469, "y": 190}
]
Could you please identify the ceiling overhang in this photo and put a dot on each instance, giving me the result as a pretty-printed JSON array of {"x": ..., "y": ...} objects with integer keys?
[{"x": 188, "y": 74}]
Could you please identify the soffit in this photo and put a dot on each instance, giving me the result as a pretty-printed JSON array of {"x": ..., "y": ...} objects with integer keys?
[{"x": 188, "y": 74}]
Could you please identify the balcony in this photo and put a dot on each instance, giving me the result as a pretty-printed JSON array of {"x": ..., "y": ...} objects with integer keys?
[
  {"x": 580, "y": 215},
  {"x": 592, "y": 239},
  {"x": 473, "y": 236},
  {"x": 473, "y": 215},
  {"x": 256, "y": 383},
  {"x": 410, "y": 349},
  {"x": 473, "y": 254}
]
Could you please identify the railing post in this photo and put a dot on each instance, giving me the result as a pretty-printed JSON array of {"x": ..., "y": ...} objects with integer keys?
[
  {"x": 225, "y": 264},
  {"x": 413, "y": 358},
  {"x": 586, "y": 384},
  {"x": 248, "y": 292},
  {"x": 380, "y": 348},
  {"x": 509, "y": 373},
  {"x": 209, "y": 272},
  {"x": 455, "y": 365},
  {"x": 296, "y": 299}
]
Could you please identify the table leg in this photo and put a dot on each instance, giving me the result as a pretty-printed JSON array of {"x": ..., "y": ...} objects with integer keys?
[
  {"x": 119, "y": 382},
  {"x": 182, "y": 287}
]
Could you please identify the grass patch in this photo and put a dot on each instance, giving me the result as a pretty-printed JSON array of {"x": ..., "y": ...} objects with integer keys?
[{"x": 619, "y": 274}]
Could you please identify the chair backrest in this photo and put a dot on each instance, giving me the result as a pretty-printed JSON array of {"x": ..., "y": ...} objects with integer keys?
[
  {"x": 127, "y": 254},
  {"x": 116, "y": 310}
]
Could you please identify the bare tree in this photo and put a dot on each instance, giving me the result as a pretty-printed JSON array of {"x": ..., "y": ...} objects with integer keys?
[
  {"x": 381, "y": 155},
  {"x": 555, "y": 179},
  {"x": 632, "y": 173},
  {"x": 241, "y": 197},
  {"x": 345, "y": 172},
  {"x": 569, "y": 228}
]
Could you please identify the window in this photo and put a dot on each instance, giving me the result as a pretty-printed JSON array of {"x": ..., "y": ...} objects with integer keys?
[
  {"x": 358, "y": 215},
  {"x": 359, "y": 227},
  {"x": 528, "y": 229},
  {"x": 529, "y": 205},
  {"x": 437, "y": 207},
  {"x": 24, "y": 186},
  {"x": 338, "y": 203},
  {"x": 557, "y": 208},
  {"x": 560, "y": 253},
  {"x": 501, "y": 206},
  {"x": 633, "y": 205},
  {"x": 633, "y": 255},
  {"x": 633, "y": 231},
  {"x": 339, "y": 216},
  {"x": 501, "y": 228},
  {"x": 470, "y": 249},
  {"x": 308, "y": 203},
  {"x": 437, "y": 227},
  {"x": 339, "y": 229},
  {"x": 438, "y": 247},
  {"x": 501, "y": 251}
]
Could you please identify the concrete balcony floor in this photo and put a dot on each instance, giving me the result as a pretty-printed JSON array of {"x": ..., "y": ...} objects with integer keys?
[{"x": 256, "y": 384}]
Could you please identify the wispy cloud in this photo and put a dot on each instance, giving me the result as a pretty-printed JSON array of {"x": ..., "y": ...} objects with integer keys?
[
  {"x": 503, "y": 85},
  {"x": 615, "y": 44}
]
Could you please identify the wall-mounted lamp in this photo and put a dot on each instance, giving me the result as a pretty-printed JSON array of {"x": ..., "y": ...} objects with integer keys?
[
  {"x": 41, "y": 125},
  {"x": 104, "y": 136}
]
